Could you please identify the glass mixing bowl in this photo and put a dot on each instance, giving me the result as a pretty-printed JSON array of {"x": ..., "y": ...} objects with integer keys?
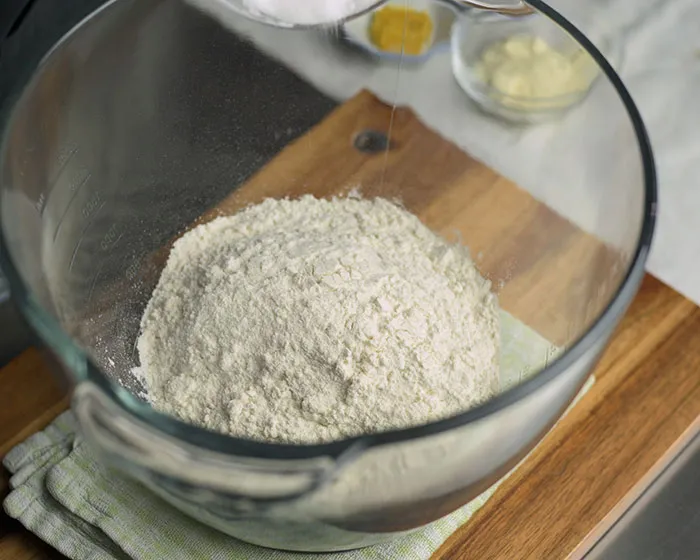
[
  {"x": 478, "y": 30},
  {"x": 151, "y": 116}
]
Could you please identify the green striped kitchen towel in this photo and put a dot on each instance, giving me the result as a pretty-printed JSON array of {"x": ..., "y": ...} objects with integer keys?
[
  {"x": 89, "y": 512},
  {"x": 86, "y": 511},
  {"x": 60, "y": 492}
]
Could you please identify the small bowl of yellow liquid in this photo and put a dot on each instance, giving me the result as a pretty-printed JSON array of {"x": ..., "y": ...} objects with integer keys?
[{"x": 410, "y": 29}]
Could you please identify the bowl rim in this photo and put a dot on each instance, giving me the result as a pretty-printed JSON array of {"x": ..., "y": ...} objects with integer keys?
[{"x": 85, "y": 370}]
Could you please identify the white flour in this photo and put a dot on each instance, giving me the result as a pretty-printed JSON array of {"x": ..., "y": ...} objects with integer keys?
[
  {"x": 308, "y": 320},
  {"x": 308, "y": 12}
]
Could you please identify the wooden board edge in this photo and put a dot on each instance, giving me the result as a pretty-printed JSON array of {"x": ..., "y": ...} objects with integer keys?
[{"x": 635, "y": 493}]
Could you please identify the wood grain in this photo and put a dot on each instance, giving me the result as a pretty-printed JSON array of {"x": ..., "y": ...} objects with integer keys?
[
  {"x": 644, "y": 488},
  {"x": 647, "y": 394},
  {"x": 35, "y": 399},
  {"x": 32, "y": 398},
  {"x": 531, "y": 254}
]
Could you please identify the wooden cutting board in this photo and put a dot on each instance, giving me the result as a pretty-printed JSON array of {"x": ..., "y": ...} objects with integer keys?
[{"x": 648, "y": 388}]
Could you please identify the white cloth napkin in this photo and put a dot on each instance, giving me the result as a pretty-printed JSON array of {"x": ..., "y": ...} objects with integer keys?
[{"x": 60, "y": 492}]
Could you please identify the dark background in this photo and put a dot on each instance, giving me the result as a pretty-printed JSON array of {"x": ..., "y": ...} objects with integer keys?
[{"x": 28, "y": 29}]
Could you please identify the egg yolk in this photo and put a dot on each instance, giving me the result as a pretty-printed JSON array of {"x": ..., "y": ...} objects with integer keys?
[{"x": 398, "y": 29}]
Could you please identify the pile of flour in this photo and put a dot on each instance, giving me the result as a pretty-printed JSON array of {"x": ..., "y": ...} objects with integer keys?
[{"x": 305, "y": 321}]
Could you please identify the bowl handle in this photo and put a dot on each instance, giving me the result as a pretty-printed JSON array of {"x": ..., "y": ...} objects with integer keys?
[{"x": 201, "y": 477}]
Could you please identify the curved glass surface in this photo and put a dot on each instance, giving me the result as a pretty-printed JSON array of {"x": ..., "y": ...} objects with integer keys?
[{"x": 152, "y": 115}]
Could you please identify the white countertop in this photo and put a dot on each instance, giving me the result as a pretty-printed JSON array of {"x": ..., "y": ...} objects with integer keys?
[
  {"x": 661, "y": 68},
  {"x": 660, "y": 45}
]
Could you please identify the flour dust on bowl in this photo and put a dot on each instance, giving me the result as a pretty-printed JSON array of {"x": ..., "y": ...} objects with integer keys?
[{"x": 151, "y": 118}]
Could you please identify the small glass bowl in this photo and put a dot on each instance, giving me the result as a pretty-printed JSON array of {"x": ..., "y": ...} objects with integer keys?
[
  {"x": 443, "y": 14},
  {"x": 475, "y": 31}
]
